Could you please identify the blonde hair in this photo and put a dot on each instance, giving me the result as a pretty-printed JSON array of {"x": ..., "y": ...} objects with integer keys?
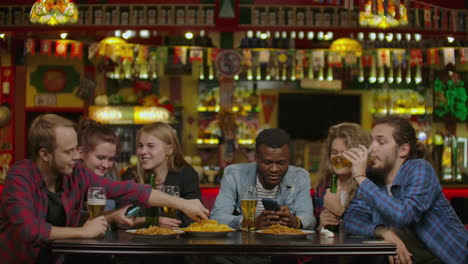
[
  {"x": 353, "y": 135},
  {"x": 41, "y": 133},
  {"x": 166, "y": 134}
]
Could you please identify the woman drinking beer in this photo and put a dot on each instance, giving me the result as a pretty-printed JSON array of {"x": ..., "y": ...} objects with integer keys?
[
  {"x": 161, "y": 163},
  {"x": 98, "y": 146},
  {"x": 335, "y": 187}
]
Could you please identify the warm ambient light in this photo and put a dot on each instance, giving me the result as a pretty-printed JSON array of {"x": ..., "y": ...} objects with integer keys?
[
  {"x": 345, "y": 45},
  {"x": 53, "y": 12},
  {"x": 382, "y": 15},
  {"x": 189, "y": 35}
]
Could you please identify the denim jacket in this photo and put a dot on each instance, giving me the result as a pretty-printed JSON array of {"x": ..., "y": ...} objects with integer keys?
[{"x": 293, "y": 191}]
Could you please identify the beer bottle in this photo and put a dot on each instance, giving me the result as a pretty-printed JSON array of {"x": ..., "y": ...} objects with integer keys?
[
  {"x": 151, "y": 218},
  {"x": 334, "y": 190}
]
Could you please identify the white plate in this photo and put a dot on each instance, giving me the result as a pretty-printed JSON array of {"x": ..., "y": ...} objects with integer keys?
[
  {"x": 285, "y": 235},
  {"x": 172, "y": 235}
]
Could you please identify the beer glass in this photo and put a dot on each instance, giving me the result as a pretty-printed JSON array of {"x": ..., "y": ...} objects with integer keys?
[
  {"x": 96, "y": 201},
  {"x": 174, "y": 191},
  {"x": 339, "y": 162},
  {"x": 248, "y": 206}
]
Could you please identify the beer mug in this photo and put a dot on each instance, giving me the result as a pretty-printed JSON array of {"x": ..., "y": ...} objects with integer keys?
[
  {"x": 339, "y": 162},
  {"x": 248, "y": 206},
  {"x": 174, "y": 191},
  {"x": 96, "y": 201}
]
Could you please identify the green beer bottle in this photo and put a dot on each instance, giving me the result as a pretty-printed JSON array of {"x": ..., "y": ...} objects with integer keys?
[
  {"x": 151, "y": 218},
  {"x": 334, "y": 190}
]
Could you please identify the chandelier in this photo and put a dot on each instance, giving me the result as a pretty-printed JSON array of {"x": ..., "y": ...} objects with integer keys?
[
  {"x": 53, "y": 12},
  {"x": 383, "y": 14}
]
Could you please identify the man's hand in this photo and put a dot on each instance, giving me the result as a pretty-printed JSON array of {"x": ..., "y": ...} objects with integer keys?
[
  {"x": 358, "y": 157},
  {"x": 266, "y": 219},
  {"x": 94, "y": 228},
  {"x": 120, "y": 220},
  {"x": 328, "y": 218},
  {"x": 194, "y": 209},
  {"x": 403, "y": 256},
  {"x": 286, "y": 217},
  {"x": 167, "y": 222},
  {"x": 332, "y": 202}
]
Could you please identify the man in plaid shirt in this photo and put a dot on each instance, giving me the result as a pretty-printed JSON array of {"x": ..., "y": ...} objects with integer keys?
[
  {"x": 43, "y": 197},
  {"x": 407, "y": 205}
]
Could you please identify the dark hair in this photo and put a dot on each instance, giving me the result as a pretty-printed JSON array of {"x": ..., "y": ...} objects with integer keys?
[
  {"x": 273, "y": 138},
  {"x": 404, "y": 133},
  {"x": 91, "y": 133}
]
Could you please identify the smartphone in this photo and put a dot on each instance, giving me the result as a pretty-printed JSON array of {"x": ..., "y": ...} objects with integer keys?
[
  {"x": 132, "y": 211},
  {"x": 270, "y": 204}
]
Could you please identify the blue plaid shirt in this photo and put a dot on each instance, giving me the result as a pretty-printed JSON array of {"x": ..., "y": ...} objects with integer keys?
[{"x": 417, "y": 203}]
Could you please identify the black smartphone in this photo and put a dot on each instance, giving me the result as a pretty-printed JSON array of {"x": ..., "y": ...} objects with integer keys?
[
  {"x": 132, "y": 211},
  {"x": 270, "y": 204}
]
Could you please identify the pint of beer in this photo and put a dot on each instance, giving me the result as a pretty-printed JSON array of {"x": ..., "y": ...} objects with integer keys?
[
  {"x": 96, "y": 207},
  {"x": 170, "y": 212},
  {"x": 339, "y": 162},
  {"x": 96, "y": 201},
  {"x": 174, "y": 191},
  {"x": 248, "y": 207},
  {"x": 248, "y": 211}
]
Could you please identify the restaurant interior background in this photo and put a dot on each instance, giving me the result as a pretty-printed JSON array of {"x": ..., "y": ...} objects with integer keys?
[{"x": 220, "y": 71}]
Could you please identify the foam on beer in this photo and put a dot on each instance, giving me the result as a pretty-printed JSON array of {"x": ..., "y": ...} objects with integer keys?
[{"x": 95, "y": 201}]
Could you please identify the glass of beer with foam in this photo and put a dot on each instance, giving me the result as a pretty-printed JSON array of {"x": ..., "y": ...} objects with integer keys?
[
  {"x": 248, "y": 206},
  {"x": 174, "y": 191},
  {"x": 339, "y": 161},
  {"x": 96, "y": 201}
]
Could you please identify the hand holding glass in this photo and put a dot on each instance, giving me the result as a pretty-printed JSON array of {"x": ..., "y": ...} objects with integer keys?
[
  {"x": 248, "y": 206},
  {"x": 339, "y": 162},
  {"x": 174, "y": 191},
  {"x": 96, "y": 201}
]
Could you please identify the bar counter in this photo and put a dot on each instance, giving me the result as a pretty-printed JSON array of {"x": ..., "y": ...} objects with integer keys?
[{"x": 235, "y": 243}]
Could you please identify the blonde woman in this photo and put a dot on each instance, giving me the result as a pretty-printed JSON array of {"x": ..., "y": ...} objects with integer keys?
[
  {"x": 328, "y": 207},
  {"x": 159, "y": 153}
]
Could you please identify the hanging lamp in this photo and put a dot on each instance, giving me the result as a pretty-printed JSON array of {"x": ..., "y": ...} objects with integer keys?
[{"x": 53, "y": 12}]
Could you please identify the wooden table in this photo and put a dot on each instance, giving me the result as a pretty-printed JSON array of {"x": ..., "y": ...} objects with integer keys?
[{"x": 236, "y": 243}]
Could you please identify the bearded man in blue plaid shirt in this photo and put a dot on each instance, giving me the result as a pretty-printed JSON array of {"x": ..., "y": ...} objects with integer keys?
[{"x": 404, "y": 202}]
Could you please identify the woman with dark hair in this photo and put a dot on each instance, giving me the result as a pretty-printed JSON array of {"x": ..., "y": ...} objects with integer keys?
[
  {"x": 159, "y": 153},
  {"x": 98, "y": 146}
]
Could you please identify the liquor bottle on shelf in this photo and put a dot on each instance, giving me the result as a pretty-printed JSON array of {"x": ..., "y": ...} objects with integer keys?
[{"x": 253, "y": 98}]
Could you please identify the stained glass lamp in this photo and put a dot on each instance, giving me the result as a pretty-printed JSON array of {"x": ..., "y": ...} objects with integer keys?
[{"x": 53, "y": 12}]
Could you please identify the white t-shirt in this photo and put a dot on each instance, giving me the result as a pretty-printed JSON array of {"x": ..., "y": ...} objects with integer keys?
[{"x": 264, "y": 193}]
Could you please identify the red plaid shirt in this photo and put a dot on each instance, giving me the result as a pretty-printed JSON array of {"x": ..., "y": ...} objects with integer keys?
[{"x": 23, "y": 211}]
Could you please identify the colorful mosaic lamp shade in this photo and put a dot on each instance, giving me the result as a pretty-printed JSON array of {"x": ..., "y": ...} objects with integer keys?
[
  {"x": 53, "y": 12},
  {"x": 383, "y": 14}
]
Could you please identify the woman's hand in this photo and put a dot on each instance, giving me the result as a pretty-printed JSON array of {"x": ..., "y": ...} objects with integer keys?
[
  {"x": 167, "y": 222},
  {"x": 328, "y": 218},
  {"x": 332, "y": 202}
]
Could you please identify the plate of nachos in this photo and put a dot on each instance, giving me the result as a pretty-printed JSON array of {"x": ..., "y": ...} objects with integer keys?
[
  {"x": 280, "y": 231},
  {"x": 207, "y": 228},
  {"x": 155, "y": 232}
]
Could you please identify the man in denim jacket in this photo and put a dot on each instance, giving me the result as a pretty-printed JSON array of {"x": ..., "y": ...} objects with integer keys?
[{"x": 273, "y": 178}]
